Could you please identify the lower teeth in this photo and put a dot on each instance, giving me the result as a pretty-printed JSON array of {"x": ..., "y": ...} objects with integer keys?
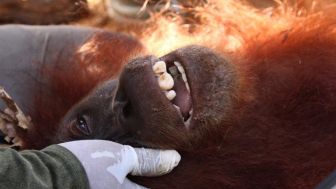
[
  {"x": 170, "y": 94},
  {"x": 179, "y": 111}
]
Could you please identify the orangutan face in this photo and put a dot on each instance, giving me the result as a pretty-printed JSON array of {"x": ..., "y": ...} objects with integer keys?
[{"x": 157, "y": 102}]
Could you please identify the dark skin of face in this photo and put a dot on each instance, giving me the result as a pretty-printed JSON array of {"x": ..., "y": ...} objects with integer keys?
[{"x": 133, "y": 109}]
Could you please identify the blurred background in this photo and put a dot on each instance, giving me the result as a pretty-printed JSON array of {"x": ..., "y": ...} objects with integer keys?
[
  {"x": 67, "y": 11},
  {"x": 163, "y": 25}
]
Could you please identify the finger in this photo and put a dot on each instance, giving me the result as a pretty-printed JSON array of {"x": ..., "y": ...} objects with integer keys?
[
  {"x": 155, "y": 162},
  {"x": 9, "y": 112},
  {"x": 127, "y": 184}
]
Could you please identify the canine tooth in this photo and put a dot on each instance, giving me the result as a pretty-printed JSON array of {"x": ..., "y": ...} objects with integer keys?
[
  {"x": 179, "y": 67},
  {"x": 187, "y": 86},
  {"x": 170, "y": 94},
  {"x": 187, "y": 123},
  {"x": 159, "y": 67},
  {"x": 166, "y": 81},
  {"x": 177, "y": 63},
  {"x": 178, "y": 110},
  {"x": 184, "y": 77}
]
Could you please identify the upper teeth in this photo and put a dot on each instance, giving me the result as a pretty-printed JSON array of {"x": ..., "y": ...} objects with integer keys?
[
  {"x": 179, "y": 67},
  {"x": 165, "y": 79},
  {"x": 159, "y": 67},
  {"x": 170, "y": 94}
]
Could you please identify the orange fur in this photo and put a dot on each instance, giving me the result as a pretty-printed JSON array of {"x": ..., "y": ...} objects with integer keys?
[
  {"x": 282, "y": 134},
  {"x": 282, "y": 131}
]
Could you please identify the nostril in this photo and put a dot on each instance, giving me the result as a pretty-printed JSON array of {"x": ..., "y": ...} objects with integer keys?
[{"x": 122, "y": 104}]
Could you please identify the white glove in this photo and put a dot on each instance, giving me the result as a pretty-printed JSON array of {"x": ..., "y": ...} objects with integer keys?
[{"x": 108, "y": 163}]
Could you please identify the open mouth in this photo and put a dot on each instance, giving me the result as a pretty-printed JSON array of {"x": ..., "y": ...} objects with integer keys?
[{"x": 173, "y": 82}]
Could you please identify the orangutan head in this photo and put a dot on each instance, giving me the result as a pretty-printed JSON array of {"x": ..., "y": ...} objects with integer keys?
[{"x": 157, "y": 102}]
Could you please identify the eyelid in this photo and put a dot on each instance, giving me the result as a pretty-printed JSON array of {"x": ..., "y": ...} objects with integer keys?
[
  {"x": 87, "y": 120},
  {"x": 75, "y": 130}
]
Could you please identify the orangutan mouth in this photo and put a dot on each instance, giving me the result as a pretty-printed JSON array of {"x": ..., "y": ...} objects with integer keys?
[{"x": 174, "y": 84}]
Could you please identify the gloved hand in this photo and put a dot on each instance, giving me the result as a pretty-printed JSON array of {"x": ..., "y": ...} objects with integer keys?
[{"x": 108, "y": 163}]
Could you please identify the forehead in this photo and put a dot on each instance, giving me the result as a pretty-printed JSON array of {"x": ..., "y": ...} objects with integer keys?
[
  {"x": 105, "y": 89},
  {"x": 99, "y": 98}
]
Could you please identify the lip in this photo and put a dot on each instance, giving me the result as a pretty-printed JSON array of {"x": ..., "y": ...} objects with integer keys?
[
  {"x": 212, "y": 83},
  {"x": 140, "y": 71},
  {"x": 152, "y": 80}
]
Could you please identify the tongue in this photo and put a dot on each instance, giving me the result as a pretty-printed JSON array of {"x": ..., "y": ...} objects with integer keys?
[{"x": 183, "y": 98}]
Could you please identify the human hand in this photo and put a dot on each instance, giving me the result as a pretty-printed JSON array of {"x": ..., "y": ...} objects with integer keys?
[{"x": 108, "y": 163}]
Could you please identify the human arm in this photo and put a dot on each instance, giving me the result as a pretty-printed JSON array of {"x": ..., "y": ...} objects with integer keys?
[
  {"x": 82, "y": 164},
  {"x": 52, "y": 167}
]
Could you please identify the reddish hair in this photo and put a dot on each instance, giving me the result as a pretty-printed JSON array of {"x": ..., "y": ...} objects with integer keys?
[
  {"x": 282, "y": 132},
  {"x": 100, "y": 58}
]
